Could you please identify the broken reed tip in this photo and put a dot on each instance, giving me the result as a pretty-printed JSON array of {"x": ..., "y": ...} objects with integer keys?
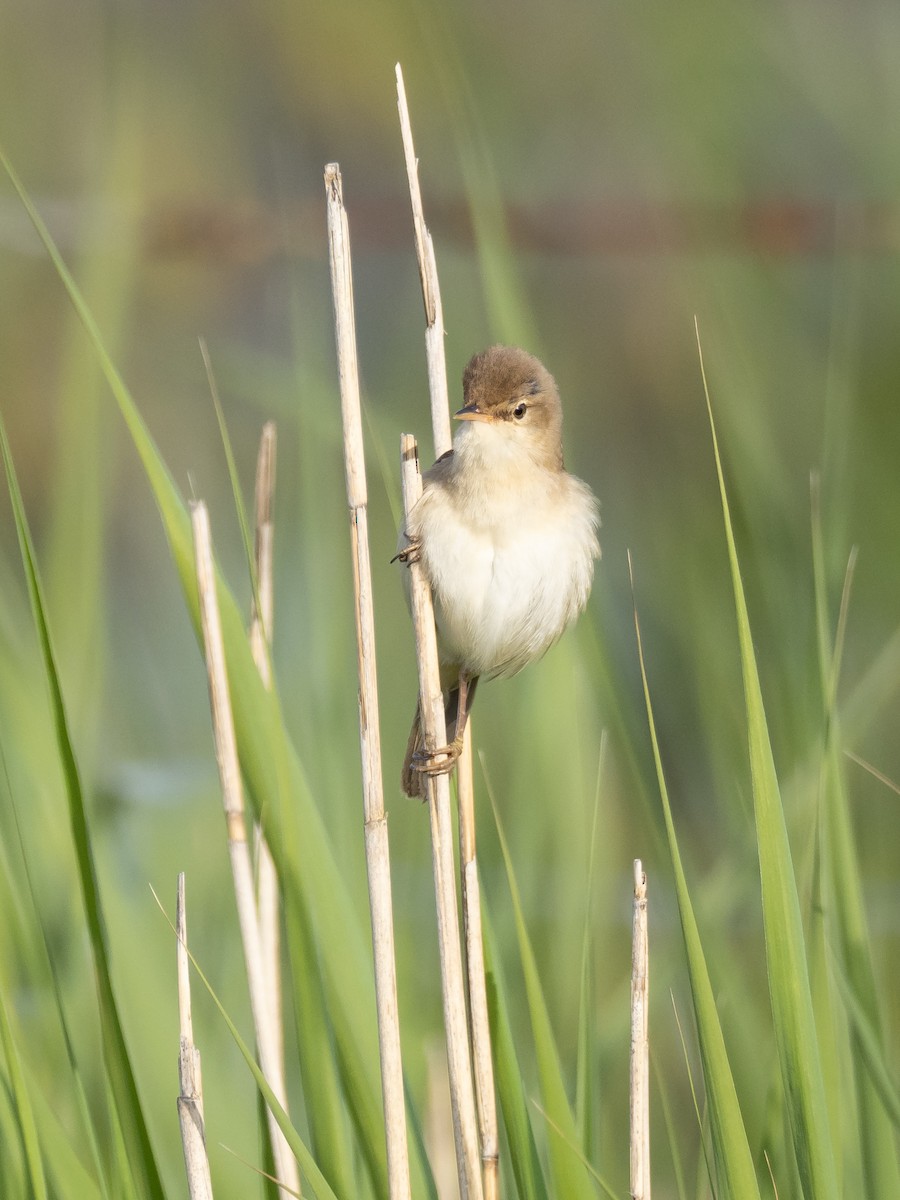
[{"x": 640, "y": 879}]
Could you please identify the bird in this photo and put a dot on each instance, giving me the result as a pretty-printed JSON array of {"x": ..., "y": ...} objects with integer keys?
[{"x": 506, "y": 537}]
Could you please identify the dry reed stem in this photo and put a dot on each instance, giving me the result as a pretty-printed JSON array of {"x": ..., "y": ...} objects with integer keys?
[
  {"x": 431, "y": 292},
  {"x": 640, "y": 1045},
  {"x": 434, "y": 730},
  {"x": 471, "y": 900},
  {"x": 190, "y": 1101},
  {"x": 376, "y": 834},
  {"x": 482, "y": 1061},
  {"x": 235, "y": 821},
  {"x": 261, "y": 629}
]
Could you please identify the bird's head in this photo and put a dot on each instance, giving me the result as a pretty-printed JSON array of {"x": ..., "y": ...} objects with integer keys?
[{"x": 511, "y": 407}]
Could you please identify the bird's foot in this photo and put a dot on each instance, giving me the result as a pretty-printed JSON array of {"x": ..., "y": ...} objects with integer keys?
[
  {"x": 408, "y": 555},
  {"x": 440, "y": 761}
]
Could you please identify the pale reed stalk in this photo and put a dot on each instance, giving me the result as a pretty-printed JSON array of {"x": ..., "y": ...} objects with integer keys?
[
  {"x": 236, "y": 828},
  {"x": 471, "y": 899},
  {"x": 434, "y": 731},
  {"x": 376, "y": 834},
  {"x": 261, "y": 630},
  {"x": 190, "y": 1101},
  {"x": 640, "y": 1045}
]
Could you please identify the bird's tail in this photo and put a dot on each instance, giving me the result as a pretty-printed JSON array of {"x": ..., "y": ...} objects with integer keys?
[{"x": 411, "y": 780}]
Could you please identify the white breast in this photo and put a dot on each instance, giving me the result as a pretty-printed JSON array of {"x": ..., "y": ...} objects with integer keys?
[{"x": 508, "y": 573}]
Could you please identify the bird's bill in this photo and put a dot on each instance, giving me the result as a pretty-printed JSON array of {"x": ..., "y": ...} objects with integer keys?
[{"x": 472, "y": 413}]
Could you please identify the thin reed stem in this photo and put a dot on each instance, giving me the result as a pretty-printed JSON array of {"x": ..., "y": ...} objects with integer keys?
[
  {"x": 238, "y": 849},
  {"x": 190, "y": 1100},
  {"x": 434, "y": 731},
  {"x": 471, "y": 897},
  {"x": 261, "y": 630},
  {"x": 640, "y": 1044},
  {"x": 482, "y": 1061},
  {"x": 431, "y": 292},
  {"x": 376, "y": 834}
]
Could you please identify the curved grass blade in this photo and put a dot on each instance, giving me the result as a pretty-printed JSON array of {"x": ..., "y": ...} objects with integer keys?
[
  {"x": 871, "y": 1049},
  {"x": 571, "y": 1177},
  {"x": 523, "y": 1152},
  {"x": 88, "y": 1129},
  {"x": 585, "y": 1086},
  {"x": 734, "y": 1162},
  {"x": 789, "y": 989},
  {"x": 69, "y": 1178},
  {"x": 234, "y": 479},
  {"x": 671, "y": 1135},
  {"x": 578, "y": 1153},
  {"x": 852, "y": 962},
  {"x": 118, "y": 1063},
  {"x": 27, "y": 1126}
]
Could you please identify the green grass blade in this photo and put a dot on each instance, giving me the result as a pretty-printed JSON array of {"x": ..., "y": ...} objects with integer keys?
[
  {"x": 853, "y": 959},
  {"x": 872, "y": 1053},
  {"x": 854, "y": 970},
  {"x": 571, "y": 1177},
  {"x": 671, "y": 1135},
  {"x": 118, "y": 1063},
  {"x": 585, "y": 1074},
  {"x": 24, "y": 1111},
  {"x": 734, "y": 1162},
  {"x": 89, "y": 1130},
  {"x": 842, "y": 1110},
  {"x": 523, "y": 1152},
  {"x": 326, "y": 1112},
  {"x": 234, "y": 479},
  {"x": 425, "y": 1185},
  {"x": 70, "y": 1179},
  {"x": 789, "y": 989}
]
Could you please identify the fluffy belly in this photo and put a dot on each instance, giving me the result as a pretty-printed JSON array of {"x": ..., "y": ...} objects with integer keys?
[{"x": 501, "y": 604}]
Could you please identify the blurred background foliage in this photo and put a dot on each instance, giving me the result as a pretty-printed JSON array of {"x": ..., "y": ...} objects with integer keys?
[{"x": 594, "y": 175}]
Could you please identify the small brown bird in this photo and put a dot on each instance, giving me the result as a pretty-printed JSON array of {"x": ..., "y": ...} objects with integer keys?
[{"x": 506, "y": 537}]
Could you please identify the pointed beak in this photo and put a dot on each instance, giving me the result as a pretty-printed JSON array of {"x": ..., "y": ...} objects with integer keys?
[{"x": 472, "y": 413}]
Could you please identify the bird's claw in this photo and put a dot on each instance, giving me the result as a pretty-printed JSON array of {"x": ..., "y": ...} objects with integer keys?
[
  {"x": 440, "y": 761},
  {"x": 408, "y": 555}
]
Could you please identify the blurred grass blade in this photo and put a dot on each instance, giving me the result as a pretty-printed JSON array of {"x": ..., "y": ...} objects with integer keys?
[
  {"x": 872, "y": 1054},
  {"x": 89, "y": 1131},
  {"x": 852, "y": 962},
  {"x": 789, "y": 989},
  {"x": 240, "y": 507},
  {"x": 734, "y": 1163},
  {"x": 326, "y": 1113},
  {"x": 426, "y": 1186},
  {"x": 585, "y": 1071},
  {"x": 70, "y": 1179},
  {"x": 842, "y": 1108},
  {"x": 571, "y": 1177},
  {"x": 854, "y": 967},
  {"x": 116, "y": 1057},
  {"x": 12, "y": 1163},
  {"x": 24, "y": 1112},
  {"x": 671, "y": 1136},
  {"x": 523, "y": 1153}
]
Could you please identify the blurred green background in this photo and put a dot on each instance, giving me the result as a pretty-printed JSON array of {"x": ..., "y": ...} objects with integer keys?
[{"x": 594, "y": 176}]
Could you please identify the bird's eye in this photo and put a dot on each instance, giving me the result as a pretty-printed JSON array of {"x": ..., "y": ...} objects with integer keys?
[{"x": 519, "y": 411}]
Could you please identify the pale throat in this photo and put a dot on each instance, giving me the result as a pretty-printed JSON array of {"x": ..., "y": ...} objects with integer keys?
[{"x": 508, "y": 454}]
